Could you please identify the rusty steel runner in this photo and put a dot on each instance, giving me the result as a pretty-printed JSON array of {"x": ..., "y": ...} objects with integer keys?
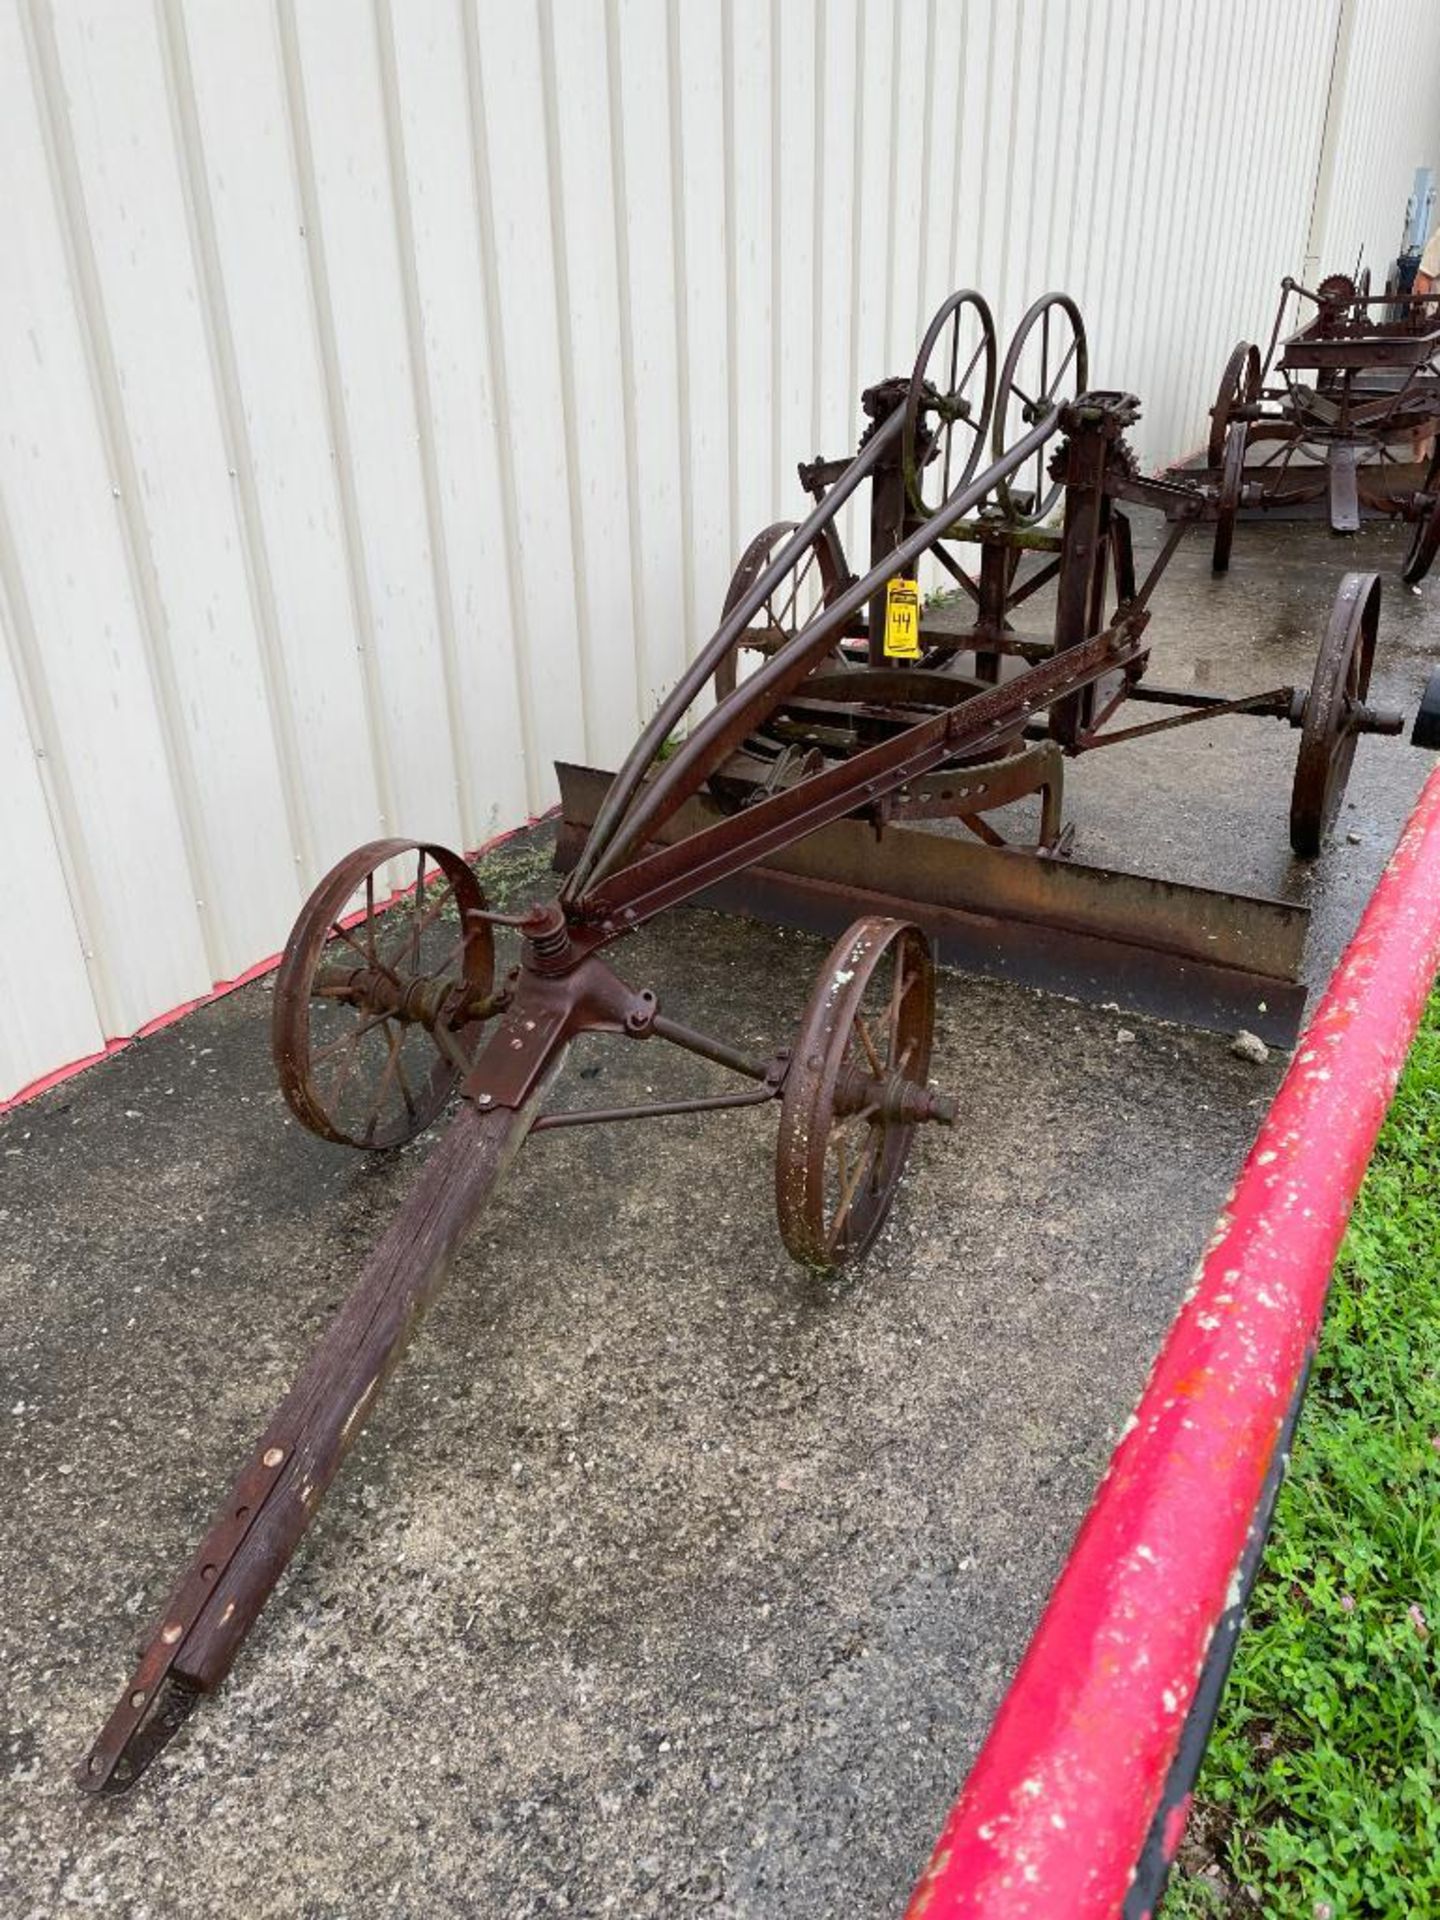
[{"x": 809, "y": 786}]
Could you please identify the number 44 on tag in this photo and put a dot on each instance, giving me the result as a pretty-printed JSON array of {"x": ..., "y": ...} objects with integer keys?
[{"x": 902, "y": 620}]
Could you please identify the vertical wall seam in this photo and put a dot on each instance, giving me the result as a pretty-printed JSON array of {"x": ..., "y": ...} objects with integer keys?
[
  {"x": 1177, "y": 398},
  {"x": 560, "y": 263},
  {"x": 22, "y": 643},
  {"x": 995, "y": 293},
  {"x": 1122, "y": 205},
  {"x": 219, "y": 339},
  {"x": 1082, "y": 92},
  {"x": 620, "y": 200},
  {"x": 1017, "y": 51},
  {"x": 1092, "y": 198},
  {"x": 342, "y": 453},
  {"x": 408, "y": 265},
  {"x": 817, "y": 229},
  {"x": 1072, "y": 13},
  {"x": 956, "y": 278},
  {"x": 927, "y": 135},
  {"x": 777, "y": 288},
  {"x": 892, "y": 184},
  {"x": 732, "y": 324},
  {"x": 1218, "y": 215},
  {"x": 398, "y": 174},
  {"x": 680, "y": 258},
  {"x": 498, "y": 368},
  {"x": 1029, "y": 288},
  {"x": 857, "y": 195},
  {"x": 1335, "y": 92},
  {"x": 93, "y": 322}
]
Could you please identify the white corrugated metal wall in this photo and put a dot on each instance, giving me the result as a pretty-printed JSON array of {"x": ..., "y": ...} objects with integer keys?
[
  {"x": 1383, "y": 124},
  {"x": 389, "y": 387}
]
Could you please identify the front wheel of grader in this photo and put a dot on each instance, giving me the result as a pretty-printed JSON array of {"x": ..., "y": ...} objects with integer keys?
[
  {"x": 378, "y": 1003},
  {"x": 857, "y": 1087}
]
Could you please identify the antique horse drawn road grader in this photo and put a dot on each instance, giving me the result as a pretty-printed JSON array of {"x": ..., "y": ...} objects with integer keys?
[
  {"x": 848, "y": 719},
  {"x": 1338, "y": 416}
]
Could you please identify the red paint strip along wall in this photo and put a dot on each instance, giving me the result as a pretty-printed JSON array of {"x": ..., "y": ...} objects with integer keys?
[{"x": 1055, "y": 1813}]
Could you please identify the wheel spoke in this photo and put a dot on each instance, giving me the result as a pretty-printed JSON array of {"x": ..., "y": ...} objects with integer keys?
[
  {"x": 351, "y": 942},
  {"x": 356, "y": 1033},
  {"x": 382, "y": 1086},
  {"x": 800, "y": 575},
  {"x": 974, "y": 362},
  {"x": 344, "y": 1073},
  {"x": 1060, "y": 370},
  {"x": 405, "y": 1092},
  {"x": 868, "y": 1044},
  {"x": 902, "y": 985},
  {"x": 415, "y": 907},
  {"x": 847, "y": 1198}
]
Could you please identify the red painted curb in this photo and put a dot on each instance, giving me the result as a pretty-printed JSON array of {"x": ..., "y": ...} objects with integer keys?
[
  {"x": 1056, "y": 1810},
  {"x": 34, "y": 1088}
]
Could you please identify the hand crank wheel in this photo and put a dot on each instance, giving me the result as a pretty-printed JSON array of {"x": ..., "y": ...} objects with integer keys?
[
  {"x": 1046, "y": 365},
  {"x": 818, "y": 577},
  {"x": 1239, "y": 387},
  {"x": 953, "y": 378},
  {"x": 1425, "y": 539},
  {"x": 856, "y": 1088},
  {"x": 1328, "y": 733},
  {"x": 1232, "y": 480},
  {"x": 376, "y": 1010}
]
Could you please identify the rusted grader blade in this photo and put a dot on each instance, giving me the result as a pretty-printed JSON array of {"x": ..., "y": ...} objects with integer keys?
[
  {"x": 1158, "y": 947},
  {"x": 849, "y": 721}
]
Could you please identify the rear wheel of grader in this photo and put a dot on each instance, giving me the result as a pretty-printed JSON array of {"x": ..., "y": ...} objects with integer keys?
[
  {"x": 1239, "y": 387},
  {"x": 953, "y": 379},
  {"x": 1425, "y": 539},
  {"x": 1232, "y": 480},
  {"x": 1046, "y": 365},
  {"x": 818, "y": 577},
  {"x": 1328, "y": 731},
  {"x": 376, "y": 1011},
  {"x": 856, "y": 1090}
]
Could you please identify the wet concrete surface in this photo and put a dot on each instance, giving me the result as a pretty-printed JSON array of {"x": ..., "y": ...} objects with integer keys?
[{"x": 664, "y": 1580}]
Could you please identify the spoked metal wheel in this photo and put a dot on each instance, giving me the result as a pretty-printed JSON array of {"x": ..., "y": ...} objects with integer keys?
[
  {"x": 377, "y": 1012},
  {"x": 817, "y": 577},
  {"x": 1232, "y": 481},
  {"x": 1425, "y": 537},
  {"x": 1046, "y": 365},
  {"x": 953, "y": 381},
  {"x": 1239, "y": 387},
  {"x": 856, "y": 1091},
  {"x": 1332, "y": 709}
]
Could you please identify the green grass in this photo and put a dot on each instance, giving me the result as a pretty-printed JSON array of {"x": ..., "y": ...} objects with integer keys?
[{"x": 1320, "y": 1794}]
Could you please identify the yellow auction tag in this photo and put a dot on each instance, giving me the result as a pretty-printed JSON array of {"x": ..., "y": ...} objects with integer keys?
[{"x": 902, "y": 620}]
